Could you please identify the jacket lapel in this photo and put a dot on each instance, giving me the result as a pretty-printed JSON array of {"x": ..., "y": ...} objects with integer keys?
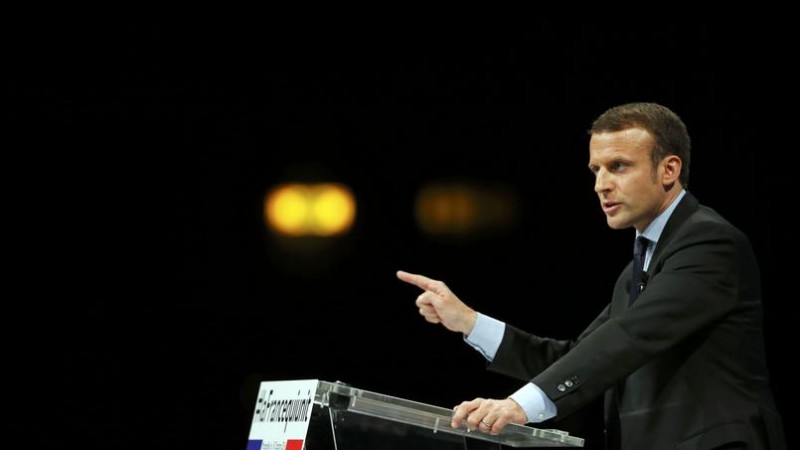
[{"x": 685, "y": 208}]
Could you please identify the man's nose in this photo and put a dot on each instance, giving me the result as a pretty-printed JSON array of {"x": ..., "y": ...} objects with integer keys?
[{"x": 601, "y": 181}]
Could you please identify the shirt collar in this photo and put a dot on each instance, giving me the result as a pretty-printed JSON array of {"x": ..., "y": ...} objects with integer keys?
[{"x": 656, "y": 227}]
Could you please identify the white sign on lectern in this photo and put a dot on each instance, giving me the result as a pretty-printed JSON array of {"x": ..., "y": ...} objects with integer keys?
[{"x": 282, "y": 415}]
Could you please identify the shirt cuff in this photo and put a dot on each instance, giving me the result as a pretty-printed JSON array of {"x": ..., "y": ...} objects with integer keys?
[
  {"x": 537, "y": 406},
  {"x": 486, "y": 335}
]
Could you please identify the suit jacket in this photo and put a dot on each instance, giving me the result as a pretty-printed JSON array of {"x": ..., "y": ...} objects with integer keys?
[{"x": 687, "y": 358}]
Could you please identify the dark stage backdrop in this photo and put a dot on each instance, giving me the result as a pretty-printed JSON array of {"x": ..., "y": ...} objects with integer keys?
[{"x": 155, "y": 299}]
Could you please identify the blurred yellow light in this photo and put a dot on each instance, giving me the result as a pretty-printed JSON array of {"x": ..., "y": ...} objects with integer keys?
[
  {"x": 334, "y": 210},
  {"x": 287, "y": 209},
  {"x": 460, "y": 209},
  {"x": 446, "y": 210},
  {"x": 323, "y": 209}
]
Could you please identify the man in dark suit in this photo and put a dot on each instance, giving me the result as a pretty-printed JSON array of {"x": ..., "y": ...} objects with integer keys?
[{"x": 679, "y": 351}]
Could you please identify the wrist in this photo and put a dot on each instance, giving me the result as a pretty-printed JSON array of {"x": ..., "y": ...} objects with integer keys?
[{"x": 469, "y": 323}]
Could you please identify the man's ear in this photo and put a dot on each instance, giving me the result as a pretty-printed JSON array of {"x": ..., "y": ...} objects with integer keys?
[{"x": 671, "y": 170}]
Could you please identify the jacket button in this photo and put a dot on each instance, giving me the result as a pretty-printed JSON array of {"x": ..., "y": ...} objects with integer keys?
[
  {"x": 568, "y": 383},
  {"x": 561, "y": 388}
]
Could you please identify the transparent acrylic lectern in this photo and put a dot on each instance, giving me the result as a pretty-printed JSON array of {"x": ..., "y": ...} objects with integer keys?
[{"x": 346, "y": 418}]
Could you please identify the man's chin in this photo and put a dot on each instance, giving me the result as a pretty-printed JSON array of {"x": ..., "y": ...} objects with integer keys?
[{"x": 616, "y": 224}]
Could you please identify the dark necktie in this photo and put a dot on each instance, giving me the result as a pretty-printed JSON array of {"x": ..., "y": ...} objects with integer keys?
[{"x": 638, "y": 276}]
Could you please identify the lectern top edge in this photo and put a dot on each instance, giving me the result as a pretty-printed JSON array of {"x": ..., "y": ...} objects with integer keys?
[{"x": 341, "y": 396}]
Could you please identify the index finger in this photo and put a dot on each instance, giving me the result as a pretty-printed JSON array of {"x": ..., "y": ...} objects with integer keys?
[{"x": 417, "y": 280}]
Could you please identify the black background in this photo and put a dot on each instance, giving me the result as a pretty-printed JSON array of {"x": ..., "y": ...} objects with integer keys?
[{"x": 154, "y": 300}]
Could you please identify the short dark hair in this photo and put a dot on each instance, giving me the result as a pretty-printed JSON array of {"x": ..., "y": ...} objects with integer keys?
[{"x": 668, "y": 130}]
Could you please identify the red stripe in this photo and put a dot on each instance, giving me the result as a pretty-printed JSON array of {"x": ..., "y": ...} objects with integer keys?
[{"x": 294, "y": 444}]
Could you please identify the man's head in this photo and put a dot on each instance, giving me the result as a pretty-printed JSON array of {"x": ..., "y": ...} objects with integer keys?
[
  {"x": 667, "y": 129},
  {"x": 639, "y": 153}
]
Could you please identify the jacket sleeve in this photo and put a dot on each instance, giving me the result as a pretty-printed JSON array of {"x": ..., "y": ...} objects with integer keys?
[
  {"x": 523, "y": 355},
  {"x": 693, "y": 286}
]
